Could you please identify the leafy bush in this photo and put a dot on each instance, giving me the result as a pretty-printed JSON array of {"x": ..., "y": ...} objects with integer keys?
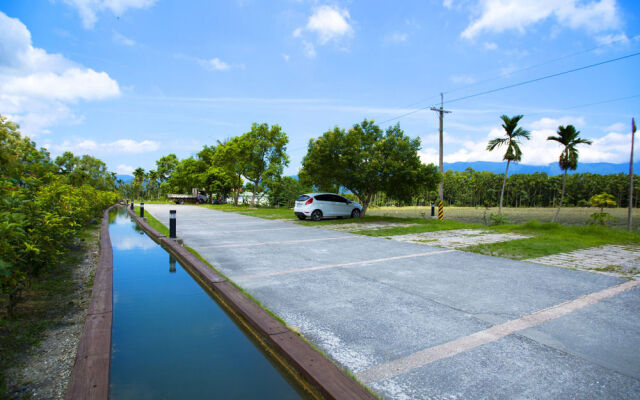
[
  {"x": 41, "y": 212},
  {"x": 498, "y": 219}
]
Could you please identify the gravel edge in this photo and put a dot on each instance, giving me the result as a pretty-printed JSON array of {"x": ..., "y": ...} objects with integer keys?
[{"x": 44, "y": 372}]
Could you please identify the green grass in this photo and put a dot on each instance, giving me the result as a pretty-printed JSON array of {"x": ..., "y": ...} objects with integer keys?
[
  {"x": 155, "y": 224},
  {"x": 552, "y": 238},
  {"x": 49, "y": 298},
  {"x": 477, "y": 215},
  {"x": 421, "y": 226},
  {"x": 261, "y": 212}
]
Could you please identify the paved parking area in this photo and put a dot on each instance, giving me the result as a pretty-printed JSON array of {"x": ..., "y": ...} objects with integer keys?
[{"x": 419, "y": 322}]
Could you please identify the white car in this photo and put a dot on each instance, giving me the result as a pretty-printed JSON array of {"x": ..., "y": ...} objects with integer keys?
[{"x": 322, "y": 205}]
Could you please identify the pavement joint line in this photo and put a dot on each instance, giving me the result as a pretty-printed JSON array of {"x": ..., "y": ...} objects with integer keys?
[
  {"x": 248, "y": 230},
  {"x": 282, "y": 242},
  {"x": 330, "y": 266},
  {"x": 446, "y": 350}
]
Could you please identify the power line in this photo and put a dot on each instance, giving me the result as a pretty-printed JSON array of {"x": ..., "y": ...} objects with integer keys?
[
  {"x": 537, "y": 65},
  {"x": 543, "y": 78},
  {"x": 589, "y": 104},
  {"x": 517, "y": 85},
  {"x": 512, "y": 73}
]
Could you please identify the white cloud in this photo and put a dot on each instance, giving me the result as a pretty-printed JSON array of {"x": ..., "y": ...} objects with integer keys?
[
  {"x": 613, "y": 147},
  {"x": 330, "y": 23},
  {"x": 121, "y": 39},
  {"x": 285, "y": 57},
  {"x": 124, "y": 169},
  {"x": 611, "y": 38},
  {"x": 212, "y": 64},
  {"x": 215, "y": 64},
  {"x": 617, "y": 127},
  {"x": 70, "y": 85},
  {"x": 89, "y": 9},
  {"x": 327, "y": 24},
  {"x": 37, "y": 87},
  {"x": 462, "y": 79},
  {"x": 309, "y": 49},
  {"x": 447, "y": 3},
  {"x": 498, "y": 16},
  {"x": 121, "y": 146},
  {"x": 490, "y": 46},
  {"x": 396, "y": 37}
]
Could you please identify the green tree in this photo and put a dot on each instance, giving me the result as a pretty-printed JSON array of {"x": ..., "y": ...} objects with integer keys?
[
  {"x": 138, "y": 175},
  {"x": 513, "y": 134},
  {"x": 186, "y": 176},
  {"x": 232, "y": 156},
  {"x": 284, "y": 191},
  {"x": 366, "y": 161},
  {"x": 266, "y": 156},
  {"x": 569, "y": 138},
  {"x": 165, "y": 166}
]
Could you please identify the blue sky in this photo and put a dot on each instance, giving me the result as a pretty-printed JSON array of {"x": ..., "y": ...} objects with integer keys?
[{"x": 131, "y": 80}]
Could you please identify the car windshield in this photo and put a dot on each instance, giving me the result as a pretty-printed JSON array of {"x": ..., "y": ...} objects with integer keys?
[{"x": 303, "y": 197}]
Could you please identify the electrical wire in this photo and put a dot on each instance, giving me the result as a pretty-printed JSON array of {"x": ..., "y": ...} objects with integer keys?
[{"x": 522, "y": 83}]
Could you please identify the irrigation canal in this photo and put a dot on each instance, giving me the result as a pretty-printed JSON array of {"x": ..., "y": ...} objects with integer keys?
[{"x": 170, "y": 337}]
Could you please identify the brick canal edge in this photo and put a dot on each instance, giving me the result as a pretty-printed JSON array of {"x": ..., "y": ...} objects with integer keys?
[{"x": 90, "y": 373}]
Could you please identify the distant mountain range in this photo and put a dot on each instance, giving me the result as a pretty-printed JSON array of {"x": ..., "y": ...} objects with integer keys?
[
  {"x": 550, "y": 169},
  {"x": 125, "y": 178},
  {"x": 498, "y": 168}
]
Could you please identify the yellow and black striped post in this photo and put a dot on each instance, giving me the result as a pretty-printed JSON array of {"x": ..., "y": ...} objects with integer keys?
[{"x": 440, "y": 210}]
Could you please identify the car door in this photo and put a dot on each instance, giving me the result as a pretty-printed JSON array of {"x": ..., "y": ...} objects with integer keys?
[
  {"x": 341, "y": 206},
  {"x": 325, "y": 205}
]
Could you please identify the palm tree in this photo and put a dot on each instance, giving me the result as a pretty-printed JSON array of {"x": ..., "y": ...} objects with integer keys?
[
  {"x": 511, "y": 140},
  {"x": 138, "y": 175},
  {"x": 568, "y": 137}
]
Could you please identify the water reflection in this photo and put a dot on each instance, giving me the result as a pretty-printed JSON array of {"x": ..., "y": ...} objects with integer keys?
[
  {"x": 170, "y": 339},
  {"x": 132, "y": 242},
  {"x": 172, "y": 264}
]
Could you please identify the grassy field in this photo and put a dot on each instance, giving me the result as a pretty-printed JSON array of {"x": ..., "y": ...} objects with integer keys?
[{"x": 479, "y": 215}]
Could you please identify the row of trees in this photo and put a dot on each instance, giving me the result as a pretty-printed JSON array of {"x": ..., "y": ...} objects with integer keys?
[
  {"x": 364, "y": 160},
  {"x": 481, "y": 188},
  {"x": 257, "y": 157},
  {"x": 44, "y": 205},
  {"x": 377, "y": 167}
]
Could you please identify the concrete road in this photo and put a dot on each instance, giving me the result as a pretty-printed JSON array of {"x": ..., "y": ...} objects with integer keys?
[{"x": 419, "y": 322}]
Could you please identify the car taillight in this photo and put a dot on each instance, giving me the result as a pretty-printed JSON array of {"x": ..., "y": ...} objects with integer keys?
[{"x": 308, "y": 201}]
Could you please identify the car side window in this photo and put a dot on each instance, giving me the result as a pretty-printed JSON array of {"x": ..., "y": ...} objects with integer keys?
[
  {"x": 323, "y": 197},
  {"x": 337, "y": 199}
]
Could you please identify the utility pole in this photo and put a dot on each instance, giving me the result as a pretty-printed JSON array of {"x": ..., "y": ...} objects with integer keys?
[
  {"x": 633, "y": 131},
  {"x": 441, "y": 111}
]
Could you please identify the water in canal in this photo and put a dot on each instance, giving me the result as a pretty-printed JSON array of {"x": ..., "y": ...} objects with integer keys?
[{"x": 170, "y": 339}]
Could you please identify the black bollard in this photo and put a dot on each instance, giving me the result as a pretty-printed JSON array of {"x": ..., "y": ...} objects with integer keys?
[
  {"x": 141, "y": 210},
  {"x": 131, "y": 204},
  {"x": 433, "y": 210},
  {"x": 172, "y": 224}
]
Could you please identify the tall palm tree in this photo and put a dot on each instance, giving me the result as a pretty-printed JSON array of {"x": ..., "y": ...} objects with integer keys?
[
  {"x": 138, "y": 175},
  {"x": 568, "y": 137},
  {"x": 513, "y": 134}
]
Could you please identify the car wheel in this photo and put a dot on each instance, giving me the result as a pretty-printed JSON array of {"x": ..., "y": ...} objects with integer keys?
[
  {"x": 316, "y": 215},
  {"x": 301, "y": 217},
  {"x": 355, "y": 213}
]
